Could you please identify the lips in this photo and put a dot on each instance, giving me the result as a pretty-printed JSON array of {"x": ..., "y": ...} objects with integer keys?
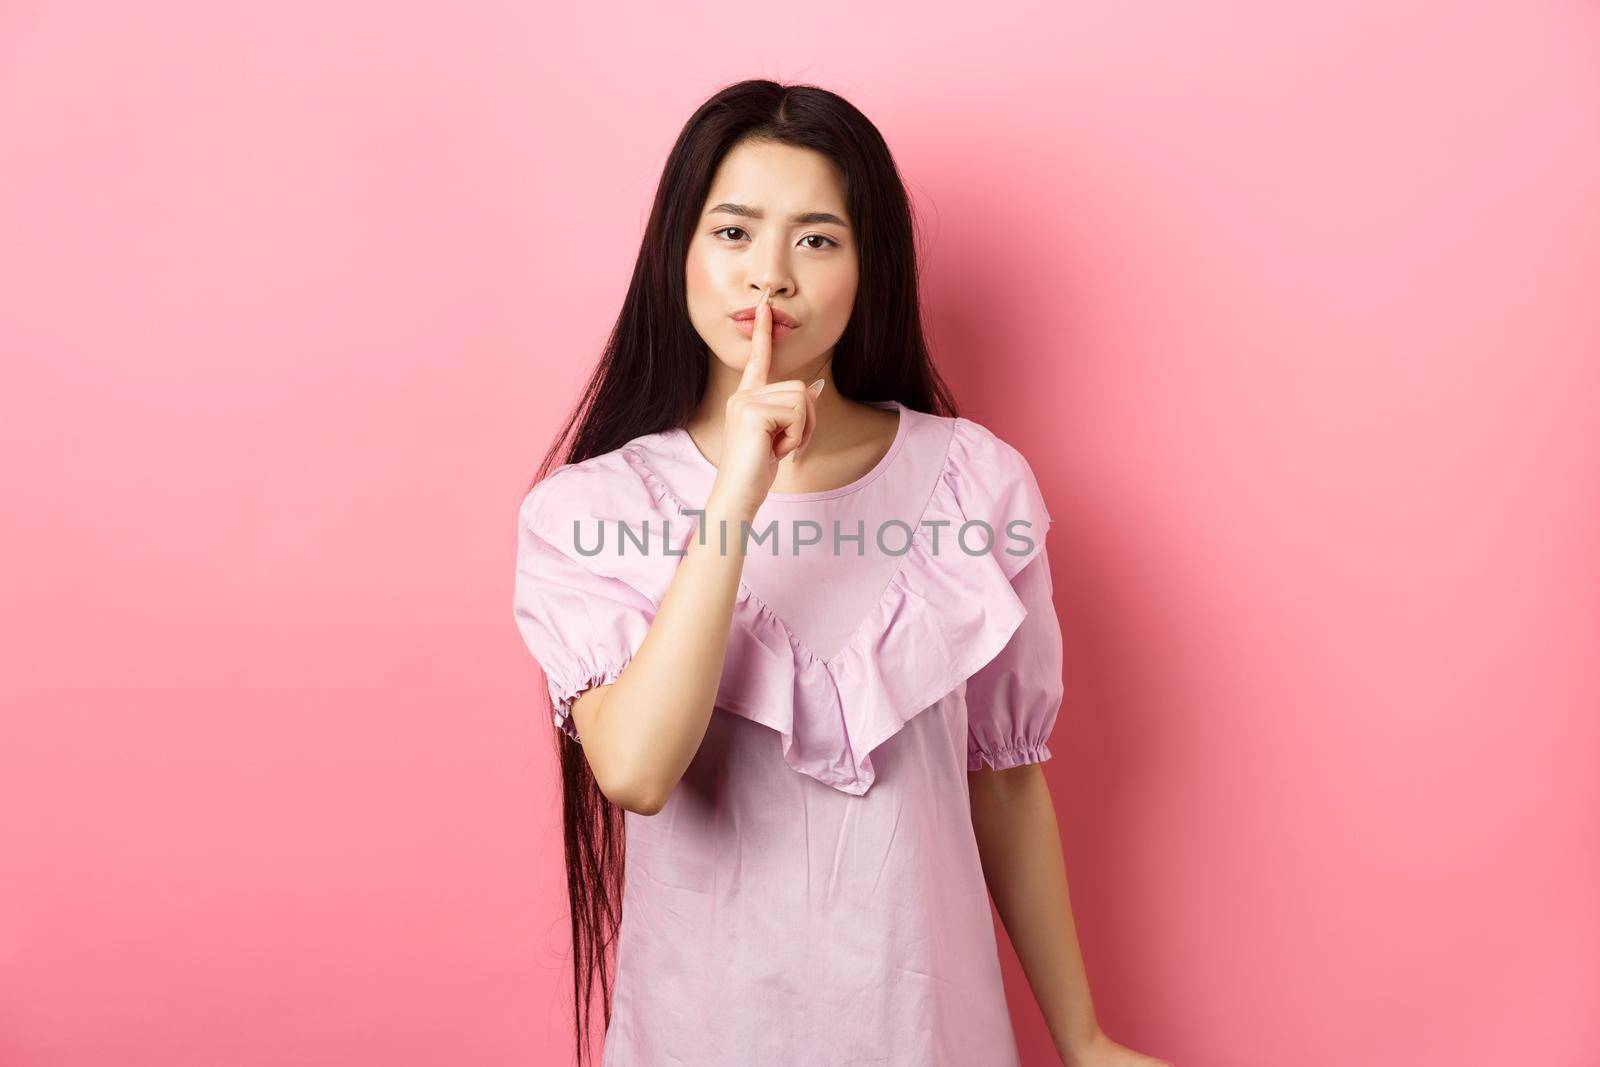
[
  {"x": 748, "y": 328},
  {"x": 779, "y": 317}
]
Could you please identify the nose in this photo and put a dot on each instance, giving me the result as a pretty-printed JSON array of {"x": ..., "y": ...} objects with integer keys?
[{"x": 770, "y": 270}]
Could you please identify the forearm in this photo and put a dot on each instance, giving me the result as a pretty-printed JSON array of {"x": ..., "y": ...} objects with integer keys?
[
  {"x": 1014, "y": 819},
  {"x": 641, "y": 731}
]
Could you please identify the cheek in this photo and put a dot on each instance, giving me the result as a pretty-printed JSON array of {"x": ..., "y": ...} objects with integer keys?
[
  {"x": 837, "y": 295},
  {"x": 695, "y": 277},
  {"x": 702, "y": 287}
]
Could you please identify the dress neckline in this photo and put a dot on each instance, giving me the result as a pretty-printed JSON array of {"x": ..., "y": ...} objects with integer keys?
[{"x": 692, "y": 450}]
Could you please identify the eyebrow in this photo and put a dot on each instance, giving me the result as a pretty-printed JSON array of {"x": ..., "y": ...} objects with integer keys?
[{"x": 804, "y": 218}]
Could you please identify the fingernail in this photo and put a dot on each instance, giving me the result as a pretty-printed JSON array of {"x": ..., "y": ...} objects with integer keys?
[
  {"x": 815, "y": 388},
  {"x": 763, "y": 301}
]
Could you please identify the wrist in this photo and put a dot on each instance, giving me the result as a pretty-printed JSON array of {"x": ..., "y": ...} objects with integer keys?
[
  {"x": 1077, "y": 1047},
  {"x": 722, "y": 524},
  {"x": 730, "y": 508}
]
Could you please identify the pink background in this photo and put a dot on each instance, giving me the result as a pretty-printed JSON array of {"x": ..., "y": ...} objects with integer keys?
[{"x": 1292, "y": 308}]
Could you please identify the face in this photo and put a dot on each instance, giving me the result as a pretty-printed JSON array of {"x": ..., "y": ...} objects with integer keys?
[{"x": 775, "y": 217}]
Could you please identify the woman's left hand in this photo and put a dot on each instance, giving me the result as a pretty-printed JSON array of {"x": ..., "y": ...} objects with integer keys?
[{"x": 1101, "y": 1051}]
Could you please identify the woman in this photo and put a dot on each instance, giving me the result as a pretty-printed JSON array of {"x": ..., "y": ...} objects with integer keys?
[{"x": 769, "y": 509}]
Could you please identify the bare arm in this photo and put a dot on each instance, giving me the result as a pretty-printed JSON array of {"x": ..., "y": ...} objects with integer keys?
[
  {"x": 641, "y": 731},
  {"x": 1019, "y": 843}
]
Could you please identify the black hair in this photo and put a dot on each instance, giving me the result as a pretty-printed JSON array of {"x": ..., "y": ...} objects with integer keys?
[{"x": 653, "y": 372}]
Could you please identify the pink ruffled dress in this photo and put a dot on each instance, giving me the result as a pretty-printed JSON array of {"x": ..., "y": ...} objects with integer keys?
[{"x": 811, "y": 893}]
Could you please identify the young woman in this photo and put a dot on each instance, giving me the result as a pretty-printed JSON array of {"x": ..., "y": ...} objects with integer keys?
[{"x": 795, "y": 619}]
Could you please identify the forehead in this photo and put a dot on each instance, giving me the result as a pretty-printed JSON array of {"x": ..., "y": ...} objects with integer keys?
[{"x": 778, "y": 177}]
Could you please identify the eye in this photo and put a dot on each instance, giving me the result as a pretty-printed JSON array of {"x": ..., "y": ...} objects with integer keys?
[{"x": 807, "y": 237}]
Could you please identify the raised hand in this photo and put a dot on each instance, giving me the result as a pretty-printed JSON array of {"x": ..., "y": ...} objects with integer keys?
[{"x": 764, "y": 421}]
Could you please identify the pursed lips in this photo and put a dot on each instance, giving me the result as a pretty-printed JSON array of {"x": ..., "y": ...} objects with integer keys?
[{"x": 779, "y": 317}]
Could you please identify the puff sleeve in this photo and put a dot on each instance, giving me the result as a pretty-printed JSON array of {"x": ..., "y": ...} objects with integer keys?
[
  {"x": 1012, "y": 700},
  {"x": 582, "y": 627}
]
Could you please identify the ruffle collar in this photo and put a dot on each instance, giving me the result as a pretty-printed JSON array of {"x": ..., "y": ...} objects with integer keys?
[{"x": 943, "y": 614}]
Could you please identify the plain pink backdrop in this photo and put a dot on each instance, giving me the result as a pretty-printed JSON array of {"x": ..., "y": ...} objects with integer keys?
[{"x": 1293, "y": 309}]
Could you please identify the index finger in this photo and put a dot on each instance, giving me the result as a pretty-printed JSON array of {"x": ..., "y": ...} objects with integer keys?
[{"x": 760, "y": 361}]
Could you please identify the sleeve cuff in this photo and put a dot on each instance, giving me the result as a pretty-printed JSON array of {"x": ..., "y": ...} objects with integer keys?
[
  {"x": 562, "y": 694},
  {"x": 1010, "y": 756}
]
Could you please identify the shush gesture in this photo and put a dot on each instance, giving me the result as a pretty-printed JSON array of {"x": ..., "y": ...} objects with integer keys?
[{"x": 764, "y": 421}]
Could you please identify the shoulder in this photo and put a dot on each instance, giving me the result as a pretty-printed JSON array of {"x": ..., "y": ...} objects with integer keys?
[
  {"x": 979, "y": 455},
  {"x": 992, "y": 482},
  {"x": 616, "y": 484},
  {"x": 570, "y": 484}
]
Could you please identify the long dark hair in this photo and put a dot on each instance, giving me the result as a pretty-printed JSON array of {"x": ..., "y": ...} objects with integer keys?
[{"x": 655, "y": 367}]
